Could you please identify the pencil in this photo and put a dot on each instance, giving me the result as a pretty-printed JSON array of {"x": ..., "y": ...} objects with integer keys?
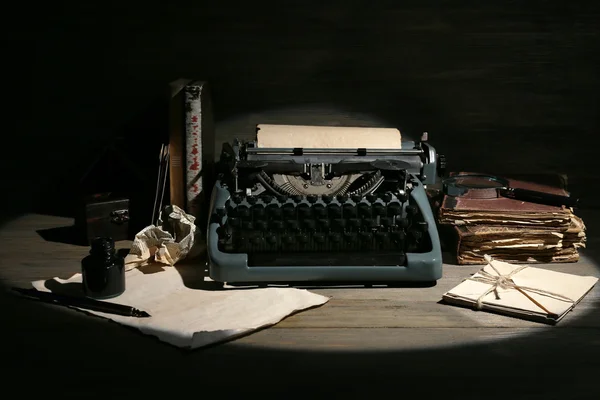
[{"x": 82, "y": 302}]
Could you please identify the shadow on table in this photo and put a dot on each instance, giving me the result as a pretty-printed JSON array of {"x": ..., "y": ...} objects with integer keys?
[{"x": 64, "y": 234}]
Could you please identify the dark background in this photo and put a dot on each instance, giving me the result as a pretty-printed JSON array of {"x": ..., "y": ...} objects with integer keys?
[
  {"x": 505, "y": 85},
  {"x": 499, "y": 86}
]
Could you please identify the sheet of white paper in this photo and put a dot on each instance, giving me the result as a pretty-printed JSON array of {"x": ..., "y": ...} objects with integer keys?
[{"x": 193, "y": 318}]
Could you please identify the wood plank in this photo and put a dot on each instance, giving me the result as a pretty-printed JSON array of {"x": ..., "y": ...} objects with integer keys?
[{"x": 399, "y": 339}]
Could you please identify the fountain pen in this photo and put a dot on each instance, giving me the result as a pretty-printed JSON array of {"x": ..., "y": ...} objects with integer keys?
[{"x": 82, "y": 302}]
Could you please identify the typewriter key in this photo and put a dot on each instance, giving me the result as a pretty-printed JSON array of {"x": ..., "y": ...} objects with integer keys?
[
  {"x": 261, "y": 225},
  {"x": 233, "y": 221},
  {"x": 251, "y": 199},
  {"x": 289, "y": 210},
  {"x": 354, "y": 222},
  {"x": 394, "y": 209},
  {"x": 417, "y": 235},
  {"x": 309, "y": 224},
  {"x": 311, "y": 198},
  {"x": 385, "y": 221},
  {"x": 319, "y": 210},
  {"x": 288, "y": 239},
  {"x": 237, "y": 198},
  {"x": 271, "y": 239},
  {"x": 401, "y": 222},
  {"x": 258, "y": 211},
  {"x": 349, "y": 211},
  {"x": 335, "y": 211},
  {"x": 366, "y": 236},
  {"x": 382, "y": 237},
  {"x": 292, "y": 224},
  {"x": 326, "y": 198},
  {"x": 342, "y": 198},
  {"x": 398, "y": 237},
  {"x": 319, "y": 237},
  {"x": 277, "y": 226},
  {"x": 267, "y": 199},
  {"x": 350, "y": 237},
  {"x": 274, "y": 211},
  {"x": 379, "y": 209},
  {"x": 304, "y": 211},
  {"x": 364, "y": 210},
  {"x": 369, "y": 223},
  {"x": 243, "y": 212},
  {"x": 302, "y": 238},
  {"x": 402, "y": 196},
  {"x": 339, "y": 223},
  {"x": 324, "y": 223}
]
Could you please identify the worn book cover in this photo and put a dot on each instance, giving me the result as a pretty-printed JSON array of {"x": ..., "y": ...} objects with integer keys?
[{"x": 471, "y": 210}]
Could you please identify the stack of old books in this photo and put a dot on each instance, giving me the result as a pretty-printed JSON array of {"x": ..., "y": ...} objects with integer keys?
[{"x": 512, "y": 230}]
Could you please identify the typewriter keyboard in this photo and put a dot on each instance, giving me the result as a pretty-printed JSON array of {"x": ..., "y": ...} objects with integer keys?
[{"x": 317, "y": 224}]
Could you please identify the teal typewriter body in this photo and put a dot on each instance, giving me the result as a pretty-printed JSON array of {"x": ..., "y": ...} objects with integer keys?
[{"x": 285, "y": 215}]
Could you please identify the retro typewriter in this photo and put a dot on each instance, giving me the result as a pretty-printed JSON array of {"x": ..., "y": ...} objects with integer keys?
[{"x": 314, "y": 214}]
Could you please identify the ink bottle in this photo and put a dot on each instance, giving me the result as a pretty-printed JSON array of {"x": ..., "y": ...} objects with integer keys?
[{"x": 103, "y": 270}]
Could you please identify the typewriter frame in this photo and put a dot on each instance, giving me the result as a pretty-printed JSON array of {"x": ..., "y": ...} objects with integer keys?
[{"x": 422, "y": 168}]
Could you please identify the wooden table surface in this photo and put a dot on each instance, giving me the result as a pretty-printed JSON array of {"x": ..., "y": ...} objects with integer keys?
[{"x": 362, "y": 339}]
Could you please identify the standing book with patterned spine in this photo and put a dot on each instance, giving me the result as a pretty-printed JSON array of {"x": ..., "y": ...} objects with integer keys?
[{"x": 191, "y": 147}]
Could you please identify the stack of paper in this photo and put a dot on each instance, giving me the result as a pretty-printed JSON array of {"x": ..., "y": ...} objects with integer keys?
[
  {"x": 521, "y": 291},
  {"x": 513, "y": 230}
]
